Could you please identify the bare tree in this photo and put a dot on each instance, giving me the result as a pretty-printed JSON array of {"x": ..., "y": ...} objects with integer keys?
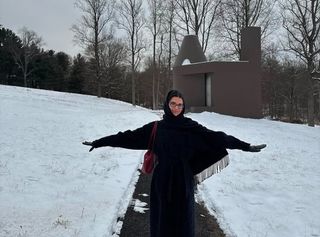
[
  {"x": 198, "y": 17},
  {"x": 316, "y": 77},
  {"x": 131, "y": 20},
  {"x": 301, "y": 19},
  {"x": 113, "y": 55},
  {"x": 91, "y": 31},
  {"x": 24, "y": 56},
  {"x": 170, "y": 9},
  {"x": 292, "y": 89},
  {"x": 156, "y": 26},
  {"x": 284, "y": 89},
  {"x": 239, "y": 14},
  {"x": 170, "y": 43}
]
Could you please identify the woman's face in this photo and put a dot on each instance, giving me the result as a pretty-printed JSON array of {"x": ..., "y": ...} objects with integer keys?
[{"x": 176, "y": 105}]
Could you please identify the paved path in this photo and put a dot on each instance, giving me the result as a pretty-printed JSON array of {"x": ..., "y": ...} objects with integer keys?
[{"x": 136, "y": 224}]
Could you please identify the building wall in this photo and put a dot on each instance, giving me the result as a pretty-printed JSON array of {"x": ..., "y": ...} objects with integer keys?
[{"x": 235, "y": 86}]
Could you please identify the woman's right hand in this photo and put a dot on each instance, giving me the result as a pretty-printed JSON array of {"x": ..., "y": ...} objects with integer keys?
[{"x": 88, "y": 144}]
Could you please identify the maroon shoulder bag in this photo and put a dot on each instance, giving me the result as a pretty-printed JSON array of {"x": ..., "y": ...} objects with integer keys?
[{"x": 149, "y": 159}]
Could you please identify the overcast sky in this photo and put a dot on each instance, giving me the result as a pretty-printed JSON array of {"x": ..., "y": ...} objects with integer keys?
[{"x": 50, "y": 19}]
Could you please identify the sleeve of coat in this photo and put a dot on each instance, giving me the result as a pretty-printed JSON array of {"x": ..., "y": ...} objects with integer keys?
[
  {"x": 137, "y": 139},
  {"x": 221, "y": 139},
  {"x": 231, "y": 142}
]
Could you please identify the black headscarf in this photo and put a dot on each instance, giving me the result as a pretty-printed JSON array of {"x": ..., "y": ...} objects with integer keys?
[
  {"x": 179, "y": 121},
  {"x": 167, "y": 111}
]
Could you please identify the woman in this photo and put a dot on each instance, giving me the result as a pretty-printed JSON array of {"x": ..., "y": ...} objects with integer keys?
[{"x": 184, "y": 148}]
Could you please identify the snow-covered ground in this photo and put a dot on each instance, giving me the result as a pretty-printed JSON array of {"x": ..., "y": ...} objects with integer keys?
[{"x": 50, "y": 185}]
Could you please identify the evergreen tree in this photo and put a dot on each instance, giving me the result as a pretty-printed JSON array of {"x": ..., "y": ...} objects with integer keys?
[
  {"x": 77, "y": 75},
  {"x": 9, "y": 73},
  {"x": 62, "y": 63}
]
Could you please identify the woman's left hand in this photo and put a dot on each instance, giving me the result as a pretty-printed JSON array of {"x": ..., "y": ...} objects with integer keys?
[{"x": 256, "y": 148}]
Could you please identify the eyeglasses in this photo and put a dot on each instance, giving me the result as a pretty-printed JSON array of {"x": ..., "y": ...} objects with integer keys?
[{"x": 173, "y": 105}]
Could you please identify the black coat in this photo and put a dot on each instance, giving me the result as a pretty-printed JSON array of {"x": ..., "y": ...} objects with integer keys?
[{"x": 184, "y": 148}]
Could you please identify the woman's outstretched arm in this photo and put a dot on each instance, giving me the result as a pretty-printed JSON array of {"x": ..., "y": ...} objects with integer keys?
[{"x": 137, "y": 139}]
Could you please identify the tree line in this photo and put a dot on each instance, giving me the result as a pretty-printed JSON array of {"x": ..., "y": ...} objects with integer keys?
[{"x": 129, "y": 47}]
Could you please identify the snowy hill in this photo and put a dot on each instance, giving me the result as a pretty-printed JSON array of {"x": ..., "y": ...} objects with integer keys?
[{"x": 50, "y": 185}]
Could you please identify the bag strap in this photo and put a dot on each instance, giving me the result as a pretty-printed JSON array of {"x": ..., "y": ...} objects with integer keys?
[{"x": 153, "y": 135}]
